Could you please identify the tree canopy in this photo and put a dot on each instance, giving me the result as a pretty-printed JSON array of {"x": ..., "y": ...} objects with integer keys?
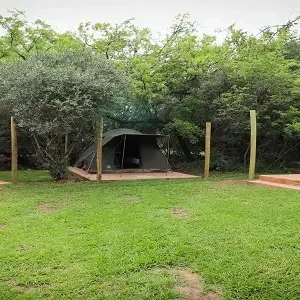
[
  {"x": 52, "y": 95},
  {"x": 180, "y": 80}
]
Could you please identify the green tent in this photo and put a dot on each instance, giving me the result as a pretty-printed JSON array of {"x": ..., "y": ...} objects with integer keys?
[{"x": 125, "y": 149}]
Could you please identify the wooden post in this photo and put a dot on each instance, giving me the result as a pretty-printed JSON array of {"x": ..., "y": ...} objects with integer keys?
[
  {"x": 99, "y": 149},
  {"x": 207, "y": 149},
  {"x": 252, "y": 145},
  {"x": 14, "y": 152}
]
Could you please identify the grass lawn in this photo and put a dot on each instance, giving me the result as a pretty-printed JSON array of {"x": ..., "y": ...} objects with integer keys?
[
  {"x": 27, "y": 176},
  {"x": 120, "y": 240}
]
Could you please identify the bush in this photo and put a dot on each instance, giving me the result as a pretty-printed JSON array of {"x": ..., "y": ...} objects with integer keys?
[
  {"x": 58, "y": 169},
  {"x": 57, "y": 94}
]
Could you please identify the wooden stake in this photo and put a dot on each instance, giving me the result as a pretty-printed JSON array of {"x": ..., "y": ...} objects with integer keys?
[
  {"x": 252, "y": 145},
  {"x": 207, "y": 149},
  {"x": 99, "y": 149},
  {"x": 14, "y": 152}
]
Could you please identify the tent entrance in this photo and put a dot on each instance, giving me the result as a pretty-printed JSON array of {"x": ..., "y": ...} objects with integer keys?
[
  {"x": 125, "y": 150},
  {"x": 128, "y": 155}
]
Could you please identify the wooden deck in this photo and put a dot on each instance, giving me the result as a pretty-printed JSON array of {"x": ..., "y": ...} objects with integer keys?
[
  {"x": 287, "y": 181},
  {"x": 129, "y": 176}
]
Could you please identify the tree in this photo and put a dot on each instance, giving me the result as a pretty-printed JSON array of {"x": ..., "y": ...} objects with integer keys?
[
  {"x": 57, "y": 94},
  {"x": 182, "y": 79},
  {"x": 21, "y": 38}
]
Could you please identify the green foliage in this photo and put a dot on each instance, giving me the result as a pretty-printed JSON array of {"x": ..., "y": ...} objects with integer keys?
[
  {"x": 53, "y": 95},
  {"x": 182, "y": 79},
  {"x": 27, "y": 176},
  {"x": 186, "y": 129},
  {"x": 293, "y": 128},
  {"x": 58, "y": 169},
  {"x": 21, "y": 38}
]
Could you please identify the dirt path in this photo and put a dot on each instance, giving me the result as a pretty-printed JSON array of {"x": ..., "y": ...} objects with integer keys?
[
  {"x": 190, "y": 284},
  {"x": 190, "y": 287},
  {"x": 3, "y": 182}
]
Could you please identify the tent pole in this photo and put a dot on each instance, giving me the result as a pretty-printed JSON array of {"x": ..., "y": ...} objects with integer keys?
[
  {"x": 124, "y": 145},
  {"x": 88, "y": 170},
  {"x": 99, "y": 149},
  {"x": 166, "y": 155},
  {"x": 168, "y": 152}
]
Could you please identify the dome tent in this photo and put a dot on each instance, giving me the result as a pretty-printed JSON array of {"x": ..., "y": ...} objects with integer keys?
[{"x": 124, "y": 149}]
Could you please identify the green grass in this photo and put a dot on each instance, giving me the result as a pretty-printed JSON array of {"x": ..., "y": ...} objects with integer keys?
[
  {"x": 27, "y": 176},
  {"x": 104, "y": 241}
]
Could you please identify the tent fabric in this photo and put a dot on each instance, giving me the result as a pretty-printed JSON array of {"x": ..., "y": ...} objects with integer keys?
[
  {"x": 125, "y": 149},
  {"x": 109, "y": 135}
]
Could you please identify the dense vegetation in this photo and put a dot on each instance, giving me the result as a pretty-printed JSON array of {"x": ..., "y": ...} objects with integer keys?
[
  {"x": 62, "y": 95},
  {"x": 183, "y": 79}
]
